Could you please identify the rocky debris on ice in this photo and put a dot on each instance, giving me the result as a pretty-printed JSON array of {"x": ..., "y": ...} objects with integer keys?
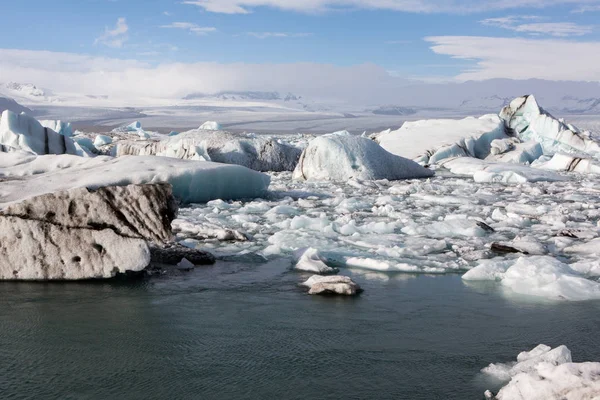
[
  {"x": 540, "y": 276},
  {"x": 430, "y": 141},
  {"x": 58, "y": 126},
  {"x": 82, "y": 234},
  {"x": 210, "y": 126},
  {"x": 488, "y": 171},
  {"x": 22, "y": 132},
  {"x": 344, "y": 157},
  {"x": 525, "y": 119},
  {"x": 193, "y": 182},
  {"x": 545, "y": 374},
  {"x": 173, "y": 253},
  {"x": 524, "y": 245},
  {"x": 309, "y": 260},
  {"x": 257, "y": 153},
  {"x": 336, "y": 285}
]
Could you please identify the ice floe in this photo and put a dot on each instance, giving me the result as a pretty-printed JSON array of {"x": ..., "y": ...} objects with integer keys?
[
  {"x": 338, "y": 285},
  {"x": 540, "y": 276},
  {"x": 545, "y": 374},
  {"x": 343, "y": 157}
]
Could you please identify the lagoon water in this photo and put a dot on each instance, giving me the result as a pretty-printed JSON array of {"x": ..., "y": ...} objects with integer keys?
[{"x": 246, "y": 331}]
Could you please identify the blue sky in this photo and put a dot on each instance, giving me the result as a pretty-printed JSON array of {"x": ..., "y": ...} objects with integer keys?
[
  {"x": 432, "y": 40},
  {"x": 389, "y": 38}
]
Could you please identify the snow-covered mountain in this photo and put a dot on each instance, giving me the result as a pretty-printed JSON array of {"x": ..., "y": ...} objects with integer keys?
[
  {"x": 27, "y": 93},
  {"x": 11, "y": 105}
]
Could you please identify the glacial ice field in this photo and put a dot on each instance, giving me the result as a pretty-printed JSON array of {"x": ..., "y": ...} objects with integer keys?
[{"x": 444, "y": 224}]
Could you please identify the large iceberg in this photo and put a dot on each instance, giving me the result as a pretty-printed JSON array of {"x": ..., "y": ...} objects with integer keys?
[
  {"x": 193, "y": 182},
  {"x": 257, "y": 153},
  {"x": 430, "y": 141},
  {"x": 342, "y": 157},
  {"x": 545, "y": 374},
  {"x": 22, "y": 132},
  {"x": 524, "y": 118},
  {"x": 82, "y": 234}
]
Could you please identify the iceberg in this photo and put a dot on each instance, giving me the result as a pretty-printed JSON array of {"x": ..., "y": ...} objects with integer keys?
[
  {"x": 569, "y": 163},
  {"x": 343, "y": 157},
  {"x": 83, "y": 234},
  {"x": 340, "y": 285},
  {"x": 102, "y": 140},
  {"x": 545, "y": 374},
  {"x": 540, "y": 276},
  {"x": 259, "y": 154},
  {"x": 58, "y": 126},
  {"x": 489, "y": 171},
  {"x": 192, "y": 181},
  {"x": 22, "y": 132},
  {"x": 311, "y": 261},
  {"x": 210, "y": 126},
  {"x": 525, "y": 119},
  {"x": 430, "y": 141}
]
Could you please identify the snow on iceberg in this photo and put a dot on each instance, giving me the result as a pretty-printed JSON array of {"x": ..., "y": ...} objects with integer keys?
[
  {"x": 259, "y": 154},
  {"x": 524, "y": 118},
  {"x": 569, "y": 163},
  {"x": 545, "y": 374},
  {"x": 540, "y": 276},
  {"x": 430, "y": 141},
  {"x": 210, "y": 126},
  {"x": 192, "y": 181},
  {"x": 20, "y": 131},
  {"x": 343, "y": 157}
]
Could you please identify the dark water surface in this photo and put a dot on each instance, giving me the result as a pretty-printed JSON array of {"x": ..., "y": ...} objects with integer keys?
[{"x": 243, "y": 331}]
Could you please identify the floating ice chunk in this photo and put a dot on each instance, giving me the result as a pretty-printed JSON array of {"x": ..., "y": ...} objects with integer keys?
[
  {"x": 210, "y": 126},
  {"x": 342, "y": 157},
  {"x": 443, "y": 138},
  {"x": 86, "y": 143},
  {"x": 102, "y": 140},
  {"x": 528, "y": 361},
  {"x": 546, "y": 374},
  {"x": 485, "y": 171},
  {"x": 452, "y": 228},
  {"x": 173, "y": 133},
  {"x": 589, "y": 248},
  {"x": 311, "y": 261},
  {"x": 341, "y": 285},
  {"x": 60, "y": 127},
  {"x": 522, "y": 153},
  {"x": 192, "y": 181},
  {"x": 20, "y": 131},
  {"x": 540, "y": 276},
  {"x": 134, "y": 127}
]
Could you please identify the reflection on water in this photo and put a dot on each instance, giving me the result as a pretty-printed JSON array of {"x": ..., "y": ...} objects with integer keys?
[{"x": 246, "y": 331}]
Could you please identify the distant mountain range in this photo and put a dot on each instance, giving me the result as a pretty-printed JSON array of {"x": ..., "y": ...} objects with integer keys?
[{"x": 248, "y": 95}]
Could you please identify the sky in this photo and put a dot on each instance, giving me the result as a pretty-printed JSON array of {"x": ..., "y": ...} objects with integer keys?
[{"x": 167, "y": 48}]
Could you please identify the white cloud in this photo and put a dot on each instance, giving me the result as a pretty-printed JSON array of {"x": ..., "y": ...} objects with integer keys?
[
  {"x": 114, "y": 37},
  {"x": 518, "y": 58},
  {"x": 531, "y": 25},
  {"x": 421, "y": 6},
  {"x": 192, "y": 28},
  {"x": 130, "y": 79},
  {"x": 266, "y": 35}
]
